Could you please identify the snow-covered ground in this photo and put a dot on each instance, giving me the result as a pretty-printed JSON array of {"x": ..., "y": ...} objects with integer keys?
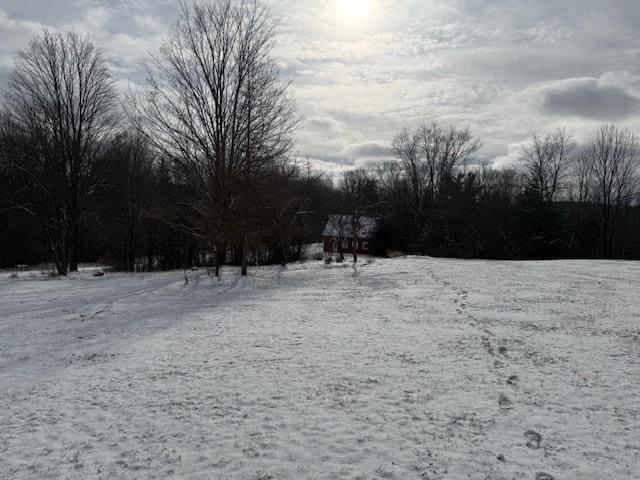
[
  {"x": 40, "y": 271},
  {"x": 414, "y": 369}
]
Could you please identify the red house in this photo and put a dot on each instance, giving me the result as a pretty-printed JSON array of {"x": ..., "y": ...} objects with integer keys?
[{"x": 346, "y": 233}]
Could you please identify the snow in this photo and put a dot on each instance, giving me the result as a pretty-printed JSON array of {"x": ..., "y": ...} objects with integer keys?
[
  {"x": 313, "y": 251},
  {"x": 412, "y": 369},
  {"x": 40, "y": 271}
]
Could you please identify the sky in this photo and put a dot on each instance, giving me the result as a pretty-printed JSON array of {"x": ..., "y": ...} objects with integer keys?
[{"x": 361, "y": 70}]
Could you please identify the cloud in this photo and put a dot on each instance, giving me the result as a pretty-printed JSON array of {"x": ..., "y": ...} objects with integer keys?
[
  {"x": 502, "y": 67},
  {"x": 588, "y": 98},
  {"x": 370, "y": 150},
  {"x": 323, "y": 124},
  {"x": 359, "y": 154},
  {"x": 15, "y": 33}
]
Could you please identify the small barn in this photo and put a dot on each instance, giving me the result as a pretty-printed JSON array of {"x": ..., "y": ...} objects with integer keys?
[{"x": 348, "y": 233}]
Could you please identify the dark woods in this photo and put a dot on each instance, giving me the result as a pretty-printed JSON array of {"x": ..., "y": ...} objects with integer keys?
[
  {"x": 195, "y": 169},
  {"x": 198, "y": 167},
  {"x": 562, "y": 201}
]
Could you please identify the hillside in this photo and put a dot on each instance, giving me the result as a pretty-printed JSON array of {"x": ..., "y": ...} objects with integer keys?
[{"x": 413, "y": 369}]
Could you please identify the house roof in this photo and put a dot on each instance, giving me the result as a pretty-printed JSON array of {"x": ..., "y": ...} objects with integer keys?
[{"x": 343, "y": 226}]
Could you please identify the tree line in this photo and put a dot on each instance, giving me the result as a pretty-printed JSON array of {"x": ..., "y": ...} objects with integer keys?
[
  {"x": 198, "y": 166},
  {"x": 562, "y": 199}
]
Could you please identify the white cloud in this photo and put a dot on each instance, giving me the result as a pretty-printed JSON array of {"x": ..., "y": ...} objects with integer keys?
[
  {"x": 15, "y": 32},
  {"x": 502, "y": 67}
]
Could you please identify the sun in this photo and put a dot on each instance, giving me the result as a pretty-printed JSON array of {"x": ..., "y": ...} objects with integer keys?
[{"x": 354, "y": 11}]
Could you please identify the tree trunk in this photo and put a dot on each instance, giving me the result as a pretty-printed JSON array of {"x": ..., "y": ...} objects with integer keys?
[
  {"x": 605, "y": 231},
  {"x": 245, "y": 255},
  {"x": 73, "y": 243},
  {"x": 61, "y": 264},
  {"x": 355, "y": 250},
  {"x": 60, "y": 257},
  {"x": 61, "y": 267},
  {"x": 130, "y": 250},
  {"x": 131, "y": 260}
]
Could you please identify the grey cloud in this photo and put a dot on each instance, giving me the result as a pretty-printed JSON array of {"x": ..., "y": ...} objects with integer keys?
[
  {"x": 370, "y": 150},
  {"x": 588, "y": 98},
  {"x": 322, "y": 123},
  {"x": 357, "y": 154},
  {"x": 335, "y": 159},
  {"x": 499, "y": 66}
]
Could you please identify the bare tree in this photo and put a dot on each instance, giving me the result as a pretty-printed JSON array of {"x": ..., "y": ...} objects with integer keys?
[
  {"x": 338, "y": 228},
  {"x": 362, "y": 198},
  {"x": 547, "y": 161},
  {"x": 217, "y": 107},
  {"x": 389, "y": 178},
  {"x": 444, "y": 150},
  {"x": 431, "y": 155},
  {"x": 581, "y": 183},
  {"x": 131, "y": 192},
  {"x": 613, "y": 156},
  {"x": 360, "y": 224},
  {"x": 406, "y": 147},
  {"x": 60, "y": 105},
  {"x": 502, "y": 183},
  {"x": 359, "y": 187}
]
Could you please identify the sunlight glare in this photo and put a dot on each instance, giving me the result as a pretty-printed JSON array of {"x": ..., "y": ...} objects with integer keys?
[{"x": 353, "y": 11}]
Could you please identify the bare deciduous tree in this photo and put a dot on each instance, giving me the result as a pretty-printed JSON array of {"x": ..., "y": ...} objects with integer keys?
[
  {"x": 431, "y": 155},
  {"x": 359, "y": 187},
  {"x": 217, "y": 107},
  {"x": 60, "y": 105},
  {"x": 581, "y": 177},
  {"x": 444, "y": 150},
  {"x": 131, "y": 177},
  {"x": 613, "y": 156},
  {"x": 547, "y": 161},
  {"x": 502, "y": 183}
]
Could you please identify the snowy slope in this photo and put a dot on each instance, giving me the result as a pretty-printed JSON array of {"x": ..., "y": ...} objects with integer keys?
[{"x": 414, "y": 369}]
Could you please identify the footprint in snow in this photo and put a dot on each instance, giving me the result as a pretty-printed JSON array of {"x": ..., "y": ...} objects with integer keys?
[
  {"x": 486, "y": 343},
  {"x": 544, "y": 476},
  {"x": 534, "y": 440},
  {"x": 504, "y": 402}
]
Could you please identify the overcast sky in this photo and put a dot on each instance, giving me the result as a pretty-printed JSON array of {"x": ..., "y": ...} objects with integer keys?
[{"x": 362, "y": 69}]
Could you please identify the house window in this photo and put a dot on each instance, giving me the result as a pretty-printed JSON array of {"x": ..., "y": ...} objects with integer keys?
[
  {"x": 345, "y": 244},
  {"x": 365, "y": 245}
]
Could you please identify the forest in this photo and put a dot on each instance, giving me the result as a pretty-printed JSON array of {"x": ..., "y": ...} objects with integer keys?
[{"x": 199, "y": 167}]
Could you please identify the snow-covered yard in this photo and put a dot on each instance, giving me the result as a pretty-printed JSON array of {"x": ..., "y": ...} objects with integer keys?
[{"x": 414, "y": 369}]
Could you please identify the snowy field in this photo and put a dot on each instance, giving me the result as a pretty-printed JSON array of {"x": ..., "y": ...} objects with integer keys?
[{"x": 414, "y": 369}]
